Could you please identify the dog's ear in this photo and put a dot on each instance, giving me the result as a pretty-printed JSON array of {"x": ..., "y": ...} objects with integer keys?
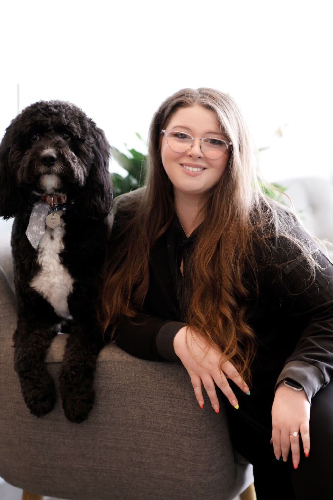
[
  {"x": 10, "y": 196},
  {"x": 96, "y": 197}
]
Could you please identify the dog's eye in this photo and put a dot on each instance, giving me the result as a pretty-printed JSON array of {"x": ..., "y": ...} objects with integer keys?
[
  {"x": 34, "y": 137},
  {"x": 65, "y": 136}
]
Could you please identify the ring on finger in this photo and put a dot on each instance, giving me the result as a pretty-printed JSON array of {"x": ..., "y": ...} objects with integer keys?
[{"x": 294, "y": 434}]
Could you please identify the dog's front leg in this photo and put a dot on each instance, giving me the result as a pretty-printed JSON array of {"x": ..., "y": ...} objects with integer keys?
[
  {"x": 77, "y": 376},
  {"x": 31, "y": 342}
]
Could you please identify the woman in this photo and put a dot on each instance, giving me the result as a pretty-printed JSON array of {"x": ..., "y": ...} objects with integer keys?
[{"x": 206, "y": 270}]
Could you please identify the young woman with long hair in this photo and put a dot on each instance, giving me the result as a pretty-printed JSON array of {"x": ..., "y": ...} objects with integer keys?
[{"x": 206, "y": 270}]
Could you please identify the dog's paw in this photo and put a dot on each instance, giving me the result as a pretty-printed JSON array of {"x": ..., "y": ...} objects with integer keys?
[
  {"x": 39, "y": 395},
  {"x": 78, "y": 406}
]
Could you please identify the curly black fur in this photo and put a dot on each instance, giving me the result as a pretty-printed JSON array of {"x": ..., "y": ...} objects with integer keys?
[{"x": 56, "y": 140}]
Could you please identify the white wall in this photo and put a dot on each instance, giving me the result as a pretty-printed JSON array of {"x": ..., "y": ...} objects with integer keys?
[{"x": 118, "y": 61}]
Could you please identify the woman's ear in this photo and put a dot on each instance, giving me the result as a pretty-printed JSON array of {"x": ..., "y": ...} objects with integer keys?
[
  {"x": 10, "y": 195},
  {"x": 96, "y": 196}
]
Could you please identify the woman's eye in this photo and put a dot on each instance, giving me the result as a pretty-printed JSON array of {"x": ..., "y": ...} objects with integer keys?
[
  {"x": 180, "y": 135},
  {"x": 34, "y": 137},
  {"x": 215, "y": 142},
  {"x": 65, "y": 136}
]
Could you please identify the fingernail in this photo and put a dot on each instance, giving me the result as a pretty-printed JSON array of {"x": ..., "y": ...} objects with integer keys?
[
  {"x": 201, "y": 406},
  {"x": 284, "y": 459},
  {"x": 217, "y": 410},
  {"x": 295, "y": 465},
  {"x": 271, "y": 441},
  {"x": 279, "y": 459},
  {"x": 306, "y": 452},
  {"x": 236, "y": 406},
  {"x": 248, "y": 393}
]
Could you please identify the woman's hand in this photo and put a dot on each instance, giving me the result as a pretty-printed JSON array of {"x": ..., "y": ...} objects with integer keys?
[
  {"x": 290, "y": 414},
  {"x": 202, "y": 362}
]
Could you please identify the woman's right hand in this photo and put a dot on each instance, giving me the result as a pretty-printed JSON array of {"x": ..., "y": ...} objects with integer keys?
[{"x": 203, "y": 364}]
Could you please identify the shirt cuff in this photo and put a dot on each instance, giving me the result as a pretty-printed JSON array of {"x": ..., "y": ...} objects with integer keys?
[
  {"x": 308, "y": 376},
  {"x": 164, "y": 340}
]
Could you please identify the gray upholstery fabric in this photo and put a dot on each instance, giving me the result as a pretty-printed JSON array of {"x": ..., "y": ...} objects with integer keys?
[{"x": 146, "y": 438}]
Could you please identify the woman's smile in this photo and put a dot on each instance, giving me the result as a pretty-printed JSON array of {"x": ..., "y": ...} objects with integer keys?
[{"x": 192, "y": 169}]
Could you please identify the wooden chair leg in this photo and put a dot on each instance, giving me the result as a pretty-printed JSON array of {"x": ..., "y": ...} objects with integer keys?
[
  {"x": 249, "y": 493},
  {"x": 30, "y": 496}
]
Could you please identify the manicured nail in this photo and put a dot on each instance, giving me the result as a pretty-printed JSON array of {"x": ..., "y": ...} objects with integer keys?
[
  {"x": 201, "y": 406},
  {"x": 295, "y": 465},
  {"x": 279, "y": 459},
  {"x": 216, "y": 408},
  {"x": 248, "y": 393},
  {"x": 236, "y": 406},
  {"x": 306, "y": 452},
  {"x": 285, "y": 460}
]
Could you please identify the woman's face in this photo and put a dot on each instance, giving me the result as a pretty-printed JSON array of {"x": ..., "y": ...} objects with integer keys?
[{"x": 191, "y": 173}]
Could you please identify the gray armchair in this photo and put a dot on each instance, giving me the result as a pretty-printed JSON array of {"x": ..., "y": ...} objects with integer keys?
[{"x": 145, "y": 438}]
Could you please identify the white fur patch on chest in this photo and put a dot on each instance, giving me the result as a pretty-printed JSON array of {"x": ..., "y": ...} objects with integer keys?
[
  {"x": 49, "y": 182},
  {"x": 53, "y": 281}
]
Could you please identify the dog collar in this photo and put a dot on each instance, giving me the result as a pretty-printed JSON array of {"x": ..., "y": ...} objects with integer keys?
[
  {"x": 57, "y": 202},
  {"x": 54, "y": 199}
]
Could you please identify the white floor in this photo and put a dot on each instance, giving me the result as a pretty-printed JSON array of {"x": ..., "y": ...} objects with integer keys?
[{"x": 9, "y": 492}]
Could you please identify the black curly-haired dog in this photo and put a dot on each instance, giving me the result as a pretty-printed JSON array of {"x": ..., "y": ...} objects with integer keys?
[{"x": 54, "y": 180}]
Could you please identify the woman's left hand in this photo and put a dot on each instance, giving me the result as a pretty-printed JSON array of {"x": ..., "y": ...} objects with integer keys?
[{"x": 290, "y": 414}]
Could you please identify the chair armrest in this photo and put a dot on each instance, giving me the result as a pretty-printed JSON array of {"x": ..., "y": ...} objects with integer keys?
[{"x": 145, "y": 438}]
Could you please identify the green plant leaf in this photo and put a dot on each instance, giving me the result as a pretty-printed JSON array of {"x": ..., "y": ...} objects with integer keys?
[{"x": 135, "y": 163}]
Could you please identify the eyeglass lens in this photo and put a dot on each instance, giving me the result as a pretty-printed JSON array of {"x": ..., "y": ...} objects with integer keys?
[{"x": 211, "y": 147}]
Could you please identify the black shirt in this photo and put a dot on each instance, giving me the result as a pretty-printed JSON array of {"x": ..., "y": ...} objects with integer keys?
[{"x": 291, "y": 315}]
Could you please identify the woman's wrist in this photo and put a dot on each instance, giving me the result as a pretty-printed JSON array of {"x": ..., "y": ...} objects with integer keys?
[
  {"x": 165, "y": 340},
  {"x": 178, "y": 340}
]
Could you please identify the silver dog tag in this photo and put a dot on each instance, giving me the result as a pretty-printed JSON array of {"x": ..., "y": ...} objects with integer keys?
[{"x": 53, "y": 220}]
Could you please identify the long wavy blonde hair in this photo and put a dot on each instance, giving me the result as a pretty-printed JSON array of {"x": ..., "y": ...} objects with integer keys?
[{"x": 236, "y": 215}]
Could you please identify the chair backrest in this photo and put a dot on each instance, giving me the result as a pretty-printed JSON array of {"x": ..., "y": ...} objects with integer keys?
[{"x": 144, "y": 439}]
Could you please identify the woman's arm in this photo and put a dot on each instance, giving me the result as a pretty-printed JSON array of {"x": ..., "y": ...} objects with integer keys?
[
  {"x": 302, "y": 302},
  {"x": 155, "y": 339},
  {"x": 308, "y": 301},
  {"x": 148, "y": 337}
]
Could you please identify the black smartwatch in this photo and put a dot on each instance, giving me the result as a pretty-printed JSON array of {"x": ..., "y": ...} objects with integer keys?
[{"x": 292, "y": 384}]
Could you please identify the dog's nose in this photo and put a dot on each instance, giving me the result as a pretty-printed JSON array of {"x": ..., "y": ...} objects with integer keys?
[{"x": 48, "y": 159}]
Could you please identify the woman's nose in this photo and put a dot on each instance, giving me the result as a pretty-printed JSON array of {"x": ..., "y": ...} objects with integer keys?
[{"x": 195, "y": 150}]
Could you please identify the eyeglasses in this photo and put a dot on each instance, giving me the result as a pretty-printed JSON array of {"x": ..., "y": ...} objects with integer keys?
[{"x": 211, "y": 147}]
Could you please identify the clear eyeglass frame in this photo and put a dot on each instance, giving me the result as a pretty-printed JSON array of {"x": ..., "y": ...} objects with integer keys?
[{"x": 202, "y": 139}]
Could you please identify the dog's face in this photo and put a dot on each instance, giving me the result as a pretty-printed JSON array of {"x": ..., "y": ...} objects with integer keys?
[{"x": 53, "y": 147}]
